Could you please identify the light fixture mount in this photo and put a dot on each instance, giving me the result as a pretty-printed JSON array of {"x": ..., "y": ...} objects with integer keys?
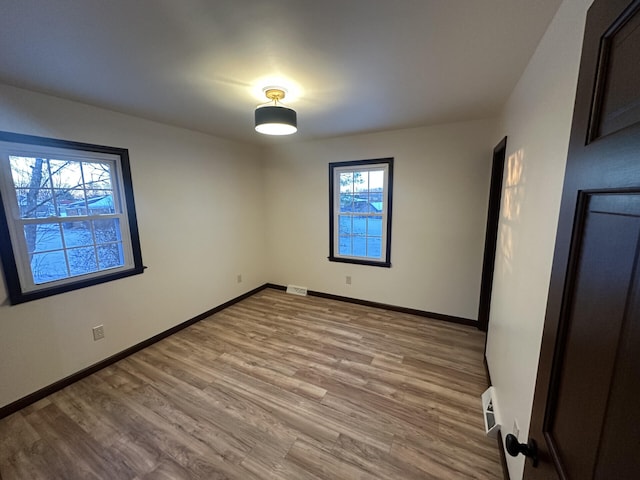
[
  {"x": 275, "y": 94},
  {"x": 275, "y": 119}
]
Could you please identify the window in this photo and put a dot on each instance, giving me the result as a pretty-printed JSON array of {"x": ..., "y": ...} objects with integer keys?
[
  {"x": 360, "y": 211},
  {"x": 67, "y": 219}
]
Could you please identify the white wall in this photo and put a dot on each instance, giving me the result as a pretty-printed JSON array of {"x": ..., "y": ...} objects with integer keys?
[
  {"x": 537, "y": 121},
  {"x": 199, "y": 202},
  {"x": 441, "y": 184}
]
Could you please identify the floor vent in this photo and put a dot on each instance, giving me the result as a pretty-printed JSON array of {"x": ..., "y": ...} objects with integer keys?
[{"x": 295, "y": 290}]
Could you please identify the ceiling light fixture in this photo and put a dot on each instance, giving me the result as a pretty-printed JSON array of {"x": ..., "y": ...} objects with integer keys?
[{"x": 274, "y": 118}]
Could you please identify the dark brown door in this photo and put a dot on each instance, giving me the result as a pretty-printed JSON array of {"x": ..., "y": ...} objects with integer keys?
[{"x": 586, "y": 411}]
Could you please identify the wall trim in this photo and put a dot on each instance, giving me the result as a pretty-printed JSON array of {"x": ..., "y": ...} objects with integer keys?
[
  {"x": 503, "y": 456},
  {"x": 394, "y": 308},
  {"x": 74, "y": 377}
]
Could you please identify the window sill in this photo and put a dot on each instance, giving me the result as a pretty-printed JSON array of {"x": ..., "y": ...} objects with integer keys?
[{"x": 371, "y": 263}]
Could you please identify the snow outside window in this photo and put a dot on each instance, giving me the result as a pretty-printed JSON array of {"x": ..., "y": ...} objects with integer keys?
[
  {"x": 360, "y": 211},
  {"x": 67, "y": 219}
]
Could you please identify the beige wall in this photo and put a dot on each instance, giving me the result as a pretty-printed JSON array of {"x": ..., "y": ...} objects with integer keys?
[
  {"x": 441, "y": 184},
  {"x": 199, "y": 202},
  {"x": 209, "y": 209},
  {"x": 537, "y": 120}
]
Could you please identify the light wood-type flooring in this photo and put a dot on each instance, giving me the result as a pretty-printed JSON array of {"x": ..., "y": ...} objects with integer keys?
[{"x": 275, "y": 387}]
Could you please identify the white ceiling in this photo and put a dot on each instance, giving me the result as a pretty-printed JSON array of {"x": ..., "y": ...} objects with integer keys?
[{"x": 356, "y": 65}]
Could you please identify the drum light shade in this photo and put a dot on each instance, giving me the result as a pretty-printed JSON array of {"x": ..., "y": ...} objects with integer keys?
[{"x": 275, "y": 119}]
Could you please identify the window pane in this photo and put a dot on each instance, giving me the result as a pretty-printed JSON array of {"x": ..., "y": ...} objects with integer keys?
[
  {"x": 97, "y": 176},
  {"x": 77, "y": 234},
  {"x": 361, "y": 203},
  {"x": 69, "y": 202},
  {"x": 374, "y": 247},
  {"x": 346, "y": 182},
  {"x": 100, "y": 204},
  {"x": 346, "y": 203},
  {"x": 361, "y": 181},
  {"x": 110, "y": 255},
  {"x": 375, "y": 202},
  {"x": 345, "y": 224},
  {"x": 66, "y": 174},
  {"x": 376, "y": 197},
  {"x": 47, "y": 267},
  {"x": 82, "y": 260},
  {"x": 360, "y": 246},
  {"x": 35, "y": 202},
  {"x": 374, "y": 226},
  {"x": 22, "y": 170},
  {"x": 345, "y": 245},
  {"x": 360, "y": 225},
  {"x": 74, "y": 205},
  {"x": 41, "y": 238},
  {"x": 376, "y": 180},
  {"x": 107, "y": 230}
]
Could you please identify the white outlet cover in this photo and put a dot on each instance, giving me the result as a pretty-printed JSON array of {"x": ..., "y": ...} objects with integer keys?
[{"x": 98, "y": 332}]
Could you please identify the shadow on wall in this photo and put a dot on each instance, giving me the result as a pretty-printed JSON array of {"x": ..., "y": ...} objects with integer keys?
[{"x": 512, "y": 197}]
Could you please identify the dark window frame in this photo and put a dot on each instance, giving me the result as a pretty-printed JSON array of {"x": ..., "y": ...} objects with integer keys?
[
  {"x": 15, "y": 289},
  {"x": 333, "y": 256}
]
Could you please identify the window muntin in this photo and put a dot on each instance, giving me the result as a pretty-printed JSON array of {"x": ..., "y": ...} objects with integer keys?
[
  {"x": 68, "y": 214},
  {"x": 360, "y": 216}
]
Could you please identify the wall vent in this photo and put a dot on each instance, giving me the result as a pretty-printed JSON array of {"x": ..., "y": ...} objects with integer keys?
[{"x": 296, "y": 290}]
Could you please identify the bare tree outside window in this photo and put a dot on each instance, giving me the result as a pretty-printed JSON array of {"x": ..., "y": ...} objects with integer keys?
[
  {"x": 360, "y": 220},
  {"x": 67, "y": 216},
  {"x": 48, "y": 188}
]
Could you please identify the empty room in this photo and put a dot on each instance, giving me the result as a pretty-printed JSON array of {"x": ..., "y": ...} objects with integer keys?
[{"x": 319, "y": 240}]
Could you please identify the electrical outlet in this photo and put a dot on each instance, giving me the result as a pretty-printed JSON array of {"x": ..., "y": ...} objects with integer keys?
[
  {"x": 98, "y": 333},
  {"x": 348, "y": 280},
  {"x": 516, "y": 429},
  {"x": 239, "y": 278}
]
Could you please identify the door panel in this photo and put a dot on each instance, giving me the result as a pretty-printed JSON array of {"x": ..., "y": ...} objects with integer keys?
[
  {"x": 586, "y": 417},
  {"x": 617, "y": 94},
  {"x": 604, "y": 279},
  {"x": 621, "y": 436}
]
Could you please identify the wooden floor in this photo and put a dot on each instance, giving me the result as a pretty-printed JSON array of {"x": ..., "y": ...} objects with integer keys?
[{"x": 274, "y": 387}]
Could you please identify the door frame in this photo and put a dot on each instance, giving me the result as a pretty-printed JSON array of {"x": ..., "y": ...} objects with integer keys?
[{"x": 491, "y": 233}]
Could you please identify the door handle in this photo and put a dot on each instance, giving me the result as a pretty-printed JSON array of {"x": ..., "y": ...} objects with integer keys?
[{"x": 527, "y": 449}]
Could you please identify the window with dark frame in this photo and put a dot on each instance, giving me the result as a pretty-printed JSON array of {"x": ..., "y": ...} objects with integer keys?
[
  {"x": 360, "y": 199},
  {"x": 67, "y": 216}
]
